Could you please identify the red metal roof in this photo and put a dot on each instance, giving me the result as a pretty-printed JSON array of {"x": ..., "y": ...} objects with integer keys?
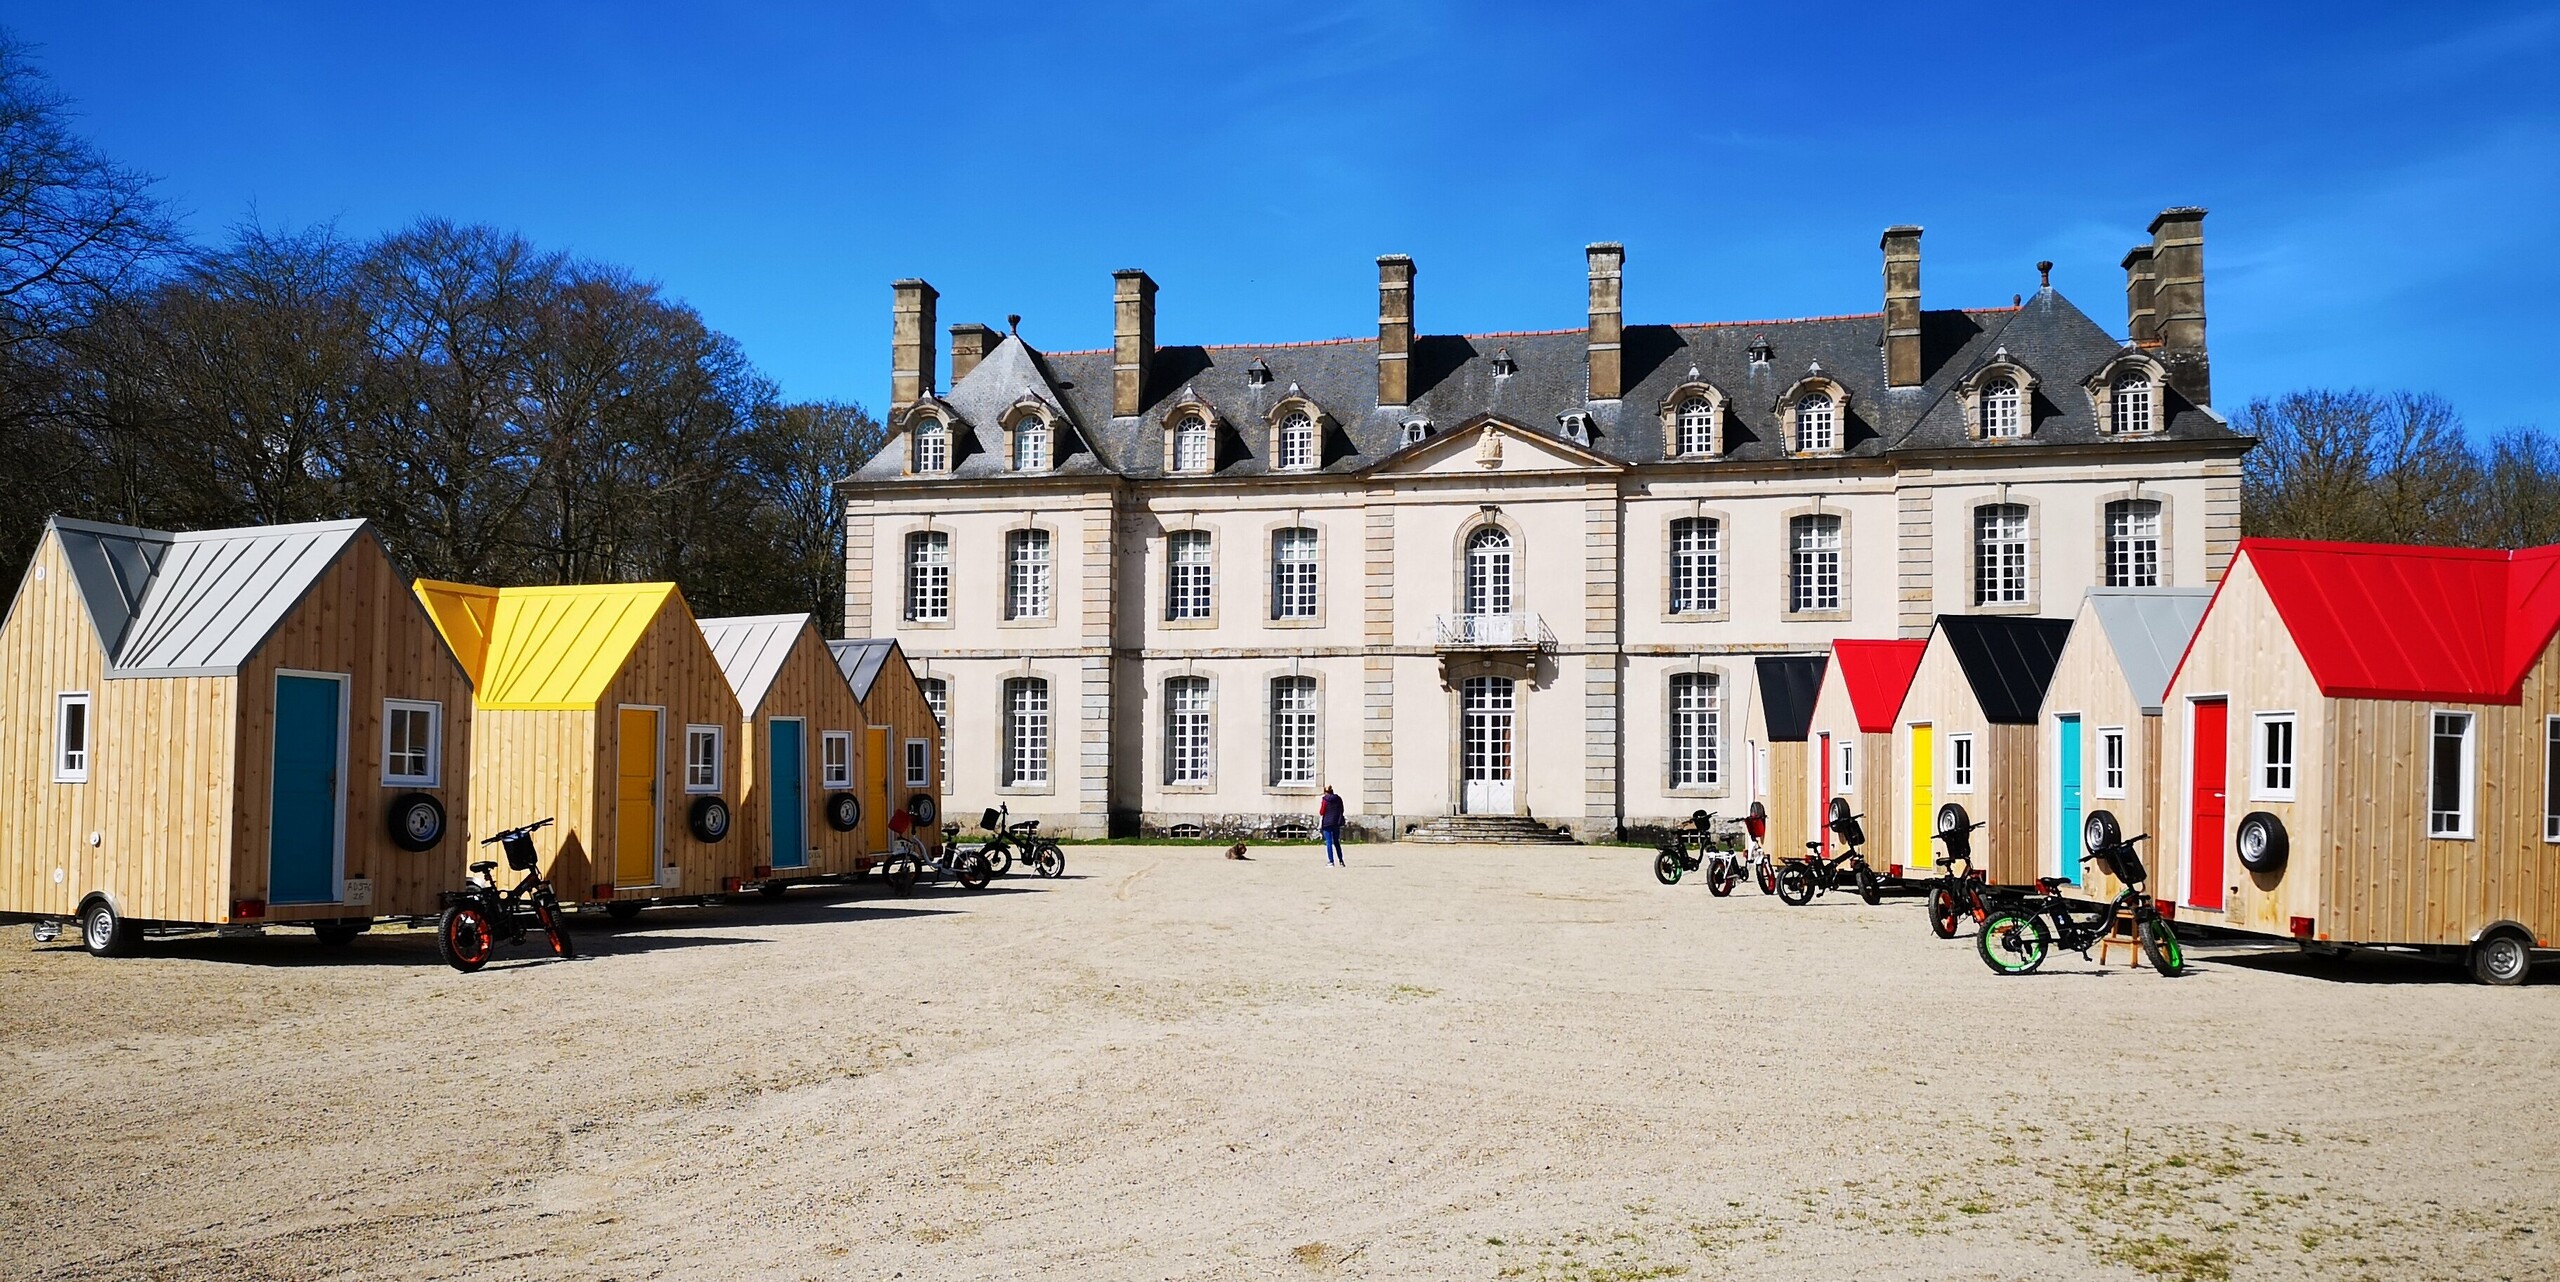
[
  {"x": 2385, "y": 621},
  {"x": 1878, "y": 674}
]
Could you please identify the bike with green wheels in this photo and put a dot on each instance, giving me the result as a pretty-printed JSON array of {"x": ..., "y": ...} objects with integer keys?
[{"x": 2018, "y": 934}]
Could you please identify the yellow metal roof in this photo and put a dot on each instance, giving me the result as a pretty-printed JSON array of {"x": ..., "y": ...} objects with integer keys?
[{"x": 542, "y": 648}]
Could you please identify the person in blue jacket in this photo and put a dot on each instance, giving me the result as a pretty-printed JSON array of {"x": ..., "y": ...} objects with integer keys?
[{"x": 1329, "y": 818}]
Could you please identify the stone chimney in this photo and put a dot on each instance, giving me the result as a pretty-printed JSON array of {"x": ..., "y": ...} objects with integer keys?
[
  {"x": 910, "y": 343},
  {"x": 1133, "y": 339},
  {"x": 2141, "y": 319},
  {"x": 1608, "y": 319},
  {"x": 1395, "y": 330},
  {"x": 1902, "y": 306},
  {"x": 2177, "y": 263},
  {"x": 969, "y": 345}
]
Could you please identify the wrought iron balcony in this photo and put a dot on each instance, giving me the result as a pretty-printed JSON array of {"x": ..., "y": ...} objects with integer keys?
[{"x": 1522, "y": 631}]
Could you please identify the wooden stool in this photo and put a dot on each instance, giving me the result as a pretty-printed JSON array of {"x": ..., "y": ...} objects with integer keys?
[{"x": 2121, "y": 934}]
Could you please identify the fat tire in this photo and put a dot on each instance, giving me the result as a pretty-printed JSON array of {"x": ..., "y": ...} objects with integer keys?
[
  {"x": 547, "y": 911},
  {"x": 971, "y": 868},
  {"x": 1049, "y": 859},
  {"x": 1943, "y": 912},
  {"x": 1722, "y": 878},
  {"x": 1666, "y": 868},
  {"x": 900, "y": 872},
  {"x": 999, "y": 858},
  {"x": 1795, "y": 885},
  {"x": 464, "y": 937},
  {"x": 2160, "y": 947},
  {"x": 1869, "y": 888},
  {"x": 2014, "y": 943}
]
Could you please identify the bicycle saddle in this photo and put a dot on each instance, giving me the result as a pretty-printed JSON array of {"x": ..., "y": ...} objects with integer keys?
[
  {"x": 1813, "y": 845},
  {"x": 484, "y": 865},
  {"x": 2053, "y": 883}
]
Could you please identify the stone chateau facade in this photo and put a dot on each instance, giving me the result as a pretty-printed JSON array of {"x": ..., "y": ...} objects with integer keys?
[{"x": 1157, "y": 586}]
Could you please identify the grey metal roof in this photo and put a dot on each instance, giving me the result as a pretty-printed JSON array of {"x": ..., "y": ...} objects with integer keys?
[
  {"x": 751, "y": 650},
  {"x": 2148, "y": 628},
  {"x": 862, "y": 658},
  {"x": 1454, "y": 381},
  {"x": 194, "y": 604}
]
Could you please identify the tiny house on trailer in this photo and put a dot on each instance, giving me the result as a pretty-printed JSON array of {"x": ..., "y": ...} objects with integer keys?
[
  {"x": 225, "y": 728},
  {"x": 1788, "y": 683},
  {"x": 799, "y": 749},
  {"x": 2099, "y": 738},
  {"x": 601, "y": 706},
  {"x": 2363, "y": 748},
  {"x": 903, "y": 740},
  {"x": 1852, "y": 730},
  {"x": 1969, "y": 738}
]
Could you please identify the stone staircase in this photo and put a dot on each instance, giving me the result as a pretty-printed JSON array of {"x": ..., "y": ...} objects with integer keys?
[{"x": 1490, "y": 830}]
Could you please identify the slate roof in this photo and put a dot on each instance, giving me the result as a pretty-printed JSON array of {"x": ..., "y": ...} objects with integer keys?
[
  {"x": 1789, "y": 683},
  {"x": 2148, "y": 630},
  {"x": 198, "y": 603},
  {"x": 1455, "y": 382},
  {"x": 751, "y": 650},
  {"x": 543, "y": 648},
  {"x": 861, "y": 659},
  {"x": 2008, "y": 661}
]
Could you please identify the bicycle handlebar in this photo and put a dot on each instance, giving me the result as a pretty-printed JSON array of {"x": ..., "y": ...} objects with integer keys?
[{"x": 534, "y": 827}]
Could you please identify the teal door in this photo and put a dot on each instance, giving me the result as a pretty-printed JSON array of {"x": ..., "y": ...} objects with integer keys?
[
  {"x": 2068, "y": 728},
  {"x": 302, "y": 823},
  {"x": 786, "y": 765}
]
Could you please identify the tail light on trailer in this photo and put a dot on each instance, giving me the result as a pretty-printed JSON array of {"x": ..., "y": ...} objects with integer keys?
[
  {"x": 1893, "y": 870},
  {"x": 2302, "y": 927},
  {"x": 248, "y": 909},
  {"x": 732, "y": 885},
  {"x": 600, "y": 891},
  {"x": 2168, "y": 908},
  {"x": 763, "y": 871}
]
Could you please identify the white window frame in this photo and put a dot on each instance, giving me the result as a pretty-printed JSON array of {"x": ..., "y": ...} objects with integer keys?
[
  {"x": 932, "y": 432},
  {"x": 1188, "y": 731},
  {"x": 1193, "y": 451},
  {"x": 1023, "y": 764},
  {"x": 1817, "y": 410},
  {"x": 1030, "y": 582},
  {"x": 1031, "y": 444},
  {"x": 835, "y": 759},
  {"x": 929, "y": 576},
  {"x": 1848, "y": 766},
  {"x": 2459, "y": 824},
  {"x": 2002, "y": 571},
  {"x": 1290, "y": 598},
  {"x": 919, "y": 754},
  {"x": 2002, "y": 405},
  {"x": 1297, "y": 729},
  {"x": 1190, "y": 585},
  {"x": 2551, "y": 779},
  {"x": 1695, "y": 729},
  {"x": 1960, "y": 763},
  {"x": 1695, "y": 423},
  {"x": 2136, "y": 406},
  {"x": 2133, "y": 554},
  {"x": 2264, "y": 768},
  {"x": 434, "y": 773},
  {"x": 1817, "y": 543},
  {"x": 941, "y": 709},
  {"x": 1297, "y": 448},
  {"x": 1697, "y": 573},
  {"x": 693, "y": 781},
  {"x": 65, "y": 768},
  {"x": 2112, "y": 739}
]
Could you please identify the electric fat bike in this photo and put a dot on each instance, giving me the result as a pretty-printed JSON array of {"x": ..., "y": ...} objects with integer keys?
[
  {"x": 477, "y": 917},
  {"x": 1007, "y": 839},
  {"x": 1684, "y": 850},
  {"x": 2015, "y": 938},
  {"x": 1957, "y": 892},
  {"x": 909, "y": 862},
  {"x": 1814, "y": 873}
]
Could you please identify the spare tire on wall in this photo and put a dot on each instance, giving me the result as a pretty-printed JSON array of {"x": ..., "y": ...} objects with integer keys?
[
  {"x": 417, "y": 822},
  {"x": 709, "y": 819},
  {"x": 844, "y": 811},
  {"x": 2261, "y": 843},
  {"x": 922, "y": 808}
]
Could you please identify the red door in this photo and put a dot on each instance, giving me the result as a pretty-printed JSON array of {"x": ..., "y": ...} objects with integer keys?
[
  {"x": 1822, "y": 798},
  {"x": 2204, "y": 840}
]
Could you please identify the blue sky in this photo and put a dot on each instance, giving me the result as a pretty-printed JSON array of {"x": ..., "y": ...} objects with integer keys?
[{"x": 2384, "y": 180}]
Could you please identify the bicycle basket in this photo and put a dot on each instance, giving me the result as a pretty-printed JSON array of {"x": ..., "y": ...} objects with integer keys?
[
  {"x": 1700, "y": 820},
  {"x": 1848, "y": 829},
  {"x": 901, "y": 823},
  {"x": 989, "y": 819},
  {"x": 2123, "y": 864},
  {"x": 520, "y": 852},
  {"x": 1757, "y": 821}
]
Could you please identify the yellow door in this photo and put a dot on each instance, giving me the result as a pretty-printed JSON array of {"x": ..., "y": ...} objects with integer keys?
[
  {"x": 875, "y": 801},
  {"x": 635, "y": 811},
  {"x": 1924, "y": 797}
]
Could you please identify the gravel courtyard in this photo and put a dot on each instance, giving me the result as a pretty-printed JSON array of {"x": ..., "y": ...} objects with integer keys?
[{"x": 1436, "y": 1064}]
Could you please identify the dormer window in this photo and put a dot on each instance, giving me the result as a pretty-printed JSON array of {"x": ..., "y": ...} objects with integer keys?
[
  {"x": 1577, "y": 427},
  {"x": 1415, "y": 432},
  {"x": 2133, "y": 402},
  {"x": 1297, "y": 442},
  {"x": 1191, "y": 444},
  {"x": 1817, "y": 423},
  {"x": 932, "y": 444},
  {"x": 1031, "y": 444},
  {"x": 2001, "y": 416},
  {"x": 1761, "y": 352},
  {"x": 1503, "y": 365},
  {"x": 1257, "y": 374},
  {"x": 1695, "y": 425}
]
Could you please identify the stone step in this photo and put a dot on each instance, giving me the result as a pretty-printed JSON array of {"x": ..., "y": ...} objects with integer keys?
[{"x": 1451, "y": 830}]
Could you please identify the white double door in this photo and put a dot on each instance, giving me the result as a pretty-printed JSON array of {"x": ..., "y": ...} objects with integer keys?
[{"x": 1485, "y": 739}]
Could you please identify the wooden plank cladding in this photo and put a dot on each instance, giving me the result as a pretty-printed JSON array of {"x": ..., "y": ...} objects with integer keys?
[{"x": 780, "y": 669}]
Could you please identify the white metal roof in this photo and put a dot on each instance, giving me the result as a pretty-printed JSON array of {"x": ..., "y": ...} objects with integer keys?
[
  {"x": 194, "y": 604},
  {"x": 862, "y": 659},
  {"x": 2148, "y": 628},
  {"x": 751, "y": 650}
]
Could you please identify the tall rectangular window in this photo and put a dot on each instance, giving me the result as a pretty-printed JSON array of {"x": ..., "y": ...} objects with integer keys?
[
  {"x": 835, "y": 759},
  {"x": 2133, "y": 543},
  {"x": 929, "y": 577},
  {"x": 1293, "y": 573},
  {"x": 1187, "y": 585},
  {"x": 2000, "y": 554},
  {"x": 1293, "y": 731},
  {"x": 1186, "y": 730},
  {"x": 1813, "y": 577},
  {"x": 2551, "y": 779},
  {"x": 1026, "y": 732},
  {"x": 1031, "y": 445},
  {"x": 1959, "y": 763},
  {"x": 2271, "y": 776},
  {"x": 1848, "y": 766},
  {"x": 1697, "y": 730},
  {"x": 2111, "y": 763},
  {"x": 1026, "y": 574},
  {"x": 702, "y": 758},
  {"x": 933, "y": 446},
  {"x": 937, "y": 696},
  {"x": 71, "y": 738},
  {"x": 409, "y": 747},
  {"x": 2450, "y": 766},
  {"x": 1696, "y": 586},
  {"x": 919, "y": 763}
]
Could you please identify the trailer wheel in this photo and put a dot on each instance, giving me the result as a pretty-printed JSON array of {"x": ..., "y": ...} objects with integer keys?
[
  {"x": 2262, "y": 843},
  {"x": 2502, "y": 958},
  {"x": 772, "y": 887},
  {"x": 844, "y": 811},
  {"x": 622, "y": 909},
  {"x": 1952, "y": 818},
  {"x": 338, "y": 934},
  {"x": 105, "y": 932},
  {"x": 417, "y": 822},
  {"x": 709, "y": 819},
  {"x": 2101, "y": 832},
  {"x": 923, "y": 810}
]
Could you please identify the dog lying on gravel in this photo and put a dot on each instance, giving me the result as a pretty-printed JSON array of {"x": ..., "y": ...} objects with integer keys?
[{"x": 1236, "y": 851}]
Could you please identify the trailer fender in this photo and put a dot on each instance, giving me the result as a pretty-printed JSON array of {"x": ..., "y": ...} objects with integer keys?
[
  {"x": 115, "y": 935},
  {"x": 2506, "y": 925}
]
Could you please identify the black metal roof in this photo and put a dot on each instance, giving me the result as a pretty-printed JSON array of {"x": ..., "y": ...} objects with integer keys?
[
  {"x": 2008, "y": 661},
  {"x": 1789, "y": 684}
]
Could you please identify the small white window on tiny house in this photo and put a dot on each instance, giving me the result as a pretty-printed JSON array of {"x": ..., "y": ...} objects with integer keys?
[
  {"x": 1959, "y": 763},
  {"x": 835, "y": 759},
  {"x": 2271, "y": 771},
  {"x": 71, "y": 738},
  {"x": 919, "y": 763},
  {"x": 2551, "y": 779},
  {"x": 2111, "y": 761},
  {"x": 412, "y": 742},
  {"x": 1848, "y": 766},
  {"x": 2452, "y": 767},
  {"x": 702, "y": 758}
]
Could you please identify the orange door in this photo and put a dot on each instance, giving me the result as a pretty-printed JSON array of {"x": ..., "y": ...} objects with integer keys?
[{"x": 635, "y": 800}]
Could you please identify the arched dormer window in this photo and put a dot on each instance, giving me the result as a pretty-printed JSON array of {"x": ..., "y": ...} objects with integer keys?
[
  {"x": 1999, "y": 400},
  {"x": 931, "y": 442},
  {"x": 1030, "y": 437},
  {"x": 1693, "y": 420},
  {"x": 1297, "y": 435},
  {"x": 2134, "y": 408},
  {"x": 1816, "y": 415},
  {"x": 1697, "y": 426},
  {"x": 1191, "y": 444},
  {"x": 2001, "y": 418},
  {"x": 2125, "y": 395}
]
